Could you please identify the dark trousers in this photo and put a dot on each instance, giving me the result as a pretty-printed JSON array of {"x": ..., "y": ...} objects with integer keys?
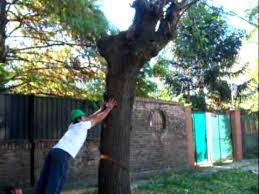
[{"x": 54, "y": 172}]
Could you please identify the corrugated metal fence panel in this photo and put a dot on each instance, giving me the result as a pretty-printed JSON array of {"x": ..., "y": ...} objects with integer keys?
[
  {"x": 249, "y": 126},
  {"x": 14, "y": 117},
  {"x": 50, "y": 116},
  {"x": 2, "y": 117}
]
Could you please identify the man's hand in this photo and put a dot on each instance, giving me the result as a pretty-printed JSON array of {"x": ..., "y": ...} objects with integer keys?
[
  {"x": 102, "y": 107},
  {"x": 102, "y": 113},
  {"x": 110, "y": 104}
]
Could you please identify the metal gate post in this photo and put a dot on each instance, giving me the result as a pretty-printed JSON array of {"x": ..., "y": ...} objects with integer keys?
[{"x": 31, "y": 136}]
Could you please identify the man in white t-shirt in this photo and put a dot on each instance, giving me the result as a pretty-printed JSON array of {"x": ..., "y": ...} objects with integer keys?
[{"x": 56, "y": 163}]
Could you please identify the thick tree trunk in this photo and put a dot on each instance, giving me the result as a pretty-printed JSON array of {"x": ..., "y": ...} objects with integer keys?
[
  {"x": 114, "y": 164},
  {"x": 3, "y": 22},
  {"x": 115, "y": 138}
]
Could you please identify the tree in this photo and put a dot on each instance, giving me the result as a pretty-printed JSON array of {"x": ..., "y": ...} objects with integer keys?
[
  {"x": 252, "y": 15},
  {"x": 153, "y": 27},
  {"x": 145, "y": 86},
  {"x": 3, "y": 21},
  {"x": 53, "y": 25},
  {"x": 49, "y": 49},
  {"x": 205, "y": 50},
  {"x": 247, "y": 93},
  {"x": 148, "y": 78}
]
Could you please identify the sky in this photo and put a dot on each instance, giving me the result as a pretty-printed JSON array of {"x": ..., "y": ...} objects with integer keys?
[{"x": 120, "y": 14}]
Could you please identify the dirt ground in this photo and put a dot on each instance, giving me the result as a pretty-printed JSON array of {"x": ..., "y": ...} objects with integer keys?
[{"x": 247, "y": 165}]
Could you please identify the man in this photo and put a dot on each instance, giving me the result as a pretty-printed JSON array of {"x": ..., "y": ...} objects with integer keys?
[{"x": 56, "y": 163}]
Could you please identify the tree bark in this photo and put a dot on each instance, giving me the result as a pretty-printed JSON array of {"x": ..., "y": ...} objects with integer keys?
[
  {"x": 123, "y": 69},
  {"x": 125, "y": 54},
  {"x": 3, "y": 21}
]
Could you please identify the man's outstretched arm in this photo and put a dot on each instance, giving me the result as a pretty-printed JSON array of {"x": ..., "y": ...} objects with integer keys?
[
  {"x": 89, "y": 117},
  {"x": 102, "y": 113}
]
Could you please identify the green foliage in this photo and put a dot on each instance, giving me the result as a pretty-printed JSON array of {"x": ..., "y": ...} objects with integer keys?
[
  {"x": 247, "y": 98},
  {"x": 4, "y": 75},
  {"x": 3, "y": 72},
  {"x": 221, "y": 87},
  {"x": 149, "y": 79},
  {"x": 51, "y": 48},
  {"x": 198, "y": 102},
  {"x": 82, "y": 18},
  {"x": 247, "y": 93},
  {"x": 205, "y": 51},
  {"x": 145, "y": 86},
  {"x": 252, "y": 14}
]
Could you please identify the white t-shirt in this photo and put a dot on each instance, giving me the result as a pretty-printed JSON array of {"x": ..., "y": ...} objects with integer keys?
[{"x": 74, "y": 138}]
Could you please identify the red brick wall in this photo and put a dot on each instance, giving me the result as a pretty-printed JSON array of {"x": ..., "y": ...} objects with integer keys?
[
  {"x": 154, "y": 149},
  {"x": 14, "y": 163},
  {"x": 83, "y": 168}
]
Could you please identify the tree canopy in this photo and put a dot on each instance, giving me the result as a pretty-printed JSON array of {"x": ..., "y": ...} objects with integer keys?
[
  {"x": 64, "y": 48},
  {"x": 50, "y": 49},
  {"x": 204, "y": 51},
  {"x": 247, "y": 97}
]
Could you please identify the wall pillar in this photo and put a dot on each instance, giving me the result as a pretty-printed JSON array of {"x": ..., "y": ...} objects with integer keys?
[
  {"x": 236, "y": 134},
  {"x": 189, "y": 131}
]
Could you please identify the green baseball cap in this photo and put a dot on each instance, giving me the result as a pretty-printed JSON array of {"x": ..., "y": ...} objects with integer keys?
[{"x": 76, "y": 113}]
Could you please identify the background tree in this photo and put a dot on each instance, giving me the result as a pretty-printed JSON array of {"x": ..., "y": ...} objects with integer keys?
[
  {"x": 48, "y": 48},
  {"x": 247, "y": 97},
  {"x": 204, "y": 51},
  {"x": 145, "y": 85}
]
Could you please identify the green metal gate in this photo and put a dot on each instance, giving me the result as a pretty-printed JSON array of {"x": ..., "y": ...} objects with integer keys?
[
  {"x": 212, "y": 136},
  {"x": 199, "y": 136},
  {"x": 218, "y": 137}
]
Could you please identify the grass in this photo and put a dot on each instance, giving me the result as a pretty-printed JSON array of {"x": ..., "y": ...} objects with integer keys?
[{"x": 233, "y": 181}]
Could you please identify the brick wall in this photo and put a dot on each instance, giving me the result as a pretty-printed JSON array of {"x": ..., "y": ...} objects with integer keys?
[
  {"x": 157, "y": 148},
  {"x": 83, "y": 169},
  {"x": 159, "y": 140},
  {"x": 14, "y": 163}
]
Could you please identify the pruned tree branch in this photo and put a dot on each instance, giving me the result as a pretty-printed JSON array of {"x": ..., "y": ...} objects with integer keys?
[
  {"x": 53, "y": 41},
  {"x": 154, "y": 25},
  {"x": 155, "y": 22},
  {"x": 3, "y": 22},
  {"x": 42, "y": 46},
  {"x": 10, "y": 87},
  {"x": 54, "y": 65},
  {"x": 13, "y": 30}
]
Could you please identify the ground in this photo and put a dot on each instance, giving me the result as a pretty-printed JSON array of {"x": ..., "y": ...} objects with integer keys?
[{"x": 235, "y": 177}]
